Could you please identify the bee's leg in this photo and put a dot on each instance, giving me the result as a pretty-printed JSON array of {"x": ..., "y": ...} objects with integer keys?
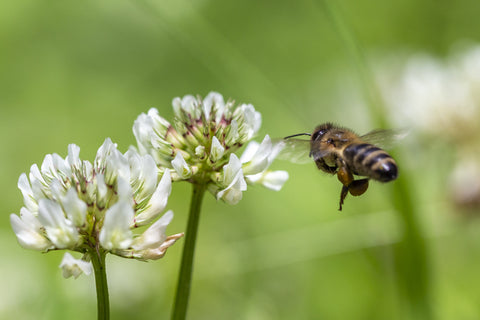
[
  {"x": 322, "y": 165},
  {"x": 344, "y": 176},
  {"x": 358, "y": 187},
  {"x": 343, "y": 194}
]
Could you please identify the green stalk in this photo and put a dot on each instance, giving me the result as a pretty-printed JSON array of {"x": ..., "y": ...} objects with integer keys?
[
  {"x": 411, "y": 256},
  {"x": 180, "y": 304},
  {"x": 103, "y": 304}
]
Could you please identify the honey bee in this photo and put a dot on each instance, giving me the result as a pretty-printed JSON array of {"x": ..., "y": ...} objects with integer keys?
[{"x": 339, "y": 151}]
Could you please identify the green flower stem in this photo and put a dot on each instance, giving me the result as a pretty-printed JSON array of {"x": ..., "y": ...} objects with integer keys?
[
  {"x": 103, "y": 304},
  {"x": 185, "y": 276}
]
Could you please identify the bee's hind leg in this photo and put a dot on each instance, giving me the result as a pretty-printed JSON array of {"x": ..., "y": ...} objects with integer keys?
[
  {"x": 343, "y": 194},
  {"x": 346, "y": 178},
  {"x": 358, "y": 187}
]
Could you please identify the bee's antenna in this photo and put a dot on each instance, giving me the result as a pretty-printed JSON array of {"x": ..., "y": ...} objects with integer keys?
[{"x": 298, "y": 134}]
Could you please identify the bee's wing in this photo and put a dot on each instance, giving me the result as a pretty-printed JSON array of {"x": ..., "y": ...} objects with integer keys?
[
  {"x": 294, "y": 150},
  {"x": 385, "y": 139}
]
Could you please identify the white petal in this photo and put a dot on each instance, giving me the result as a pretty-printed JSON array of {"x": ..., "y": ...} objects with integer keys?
[
  {"x": 143, "y": 172},
  {"x": 73, "y": 157},
  {"x": 142, "y": 130},
  {"x": 47, "y": 165},
  {"x": 158, "y": 201},
  {"x": 74, "y": 267},
  {"x": 60, "y": 230},
  {"x": 116, "y": 166},
  {"x": 218, "y": 104},
  {"x": 231, "y": 169},
  {"x": 57, "y": 190},
  {"x": 217, "y": 150},
  {"x": 273, "y": 180},
  {"x": 161, "y": 125},
  {"x": 200, "y": 151},
  {"x": 39, "y": 186},
  {"x": 233, "y": 193},
  {"x": 181, "y": 166},
  {"x": 252, "y": 120},
  {"x": 189, "y": 105},
  {"x": 30, "y": 219},
  {"x": 116, "y": 233},
  {"x": 75, "y": 208},
  {"x": 207, "y": 108},
  {"x": 26, "y": 189},
  {"x": 260, "y": 160},
  {"x": 35, "y": 174},
  {"x": 159, "y": 252},
  {"x": 28, "y": 237},
  {"x": 61, "y": 167},
  {"x": 249, "y": 151},
  {"x": 111, "y": 162},
  {"x": 155, "y": 235},
  {"x": 102, "y": 191},
  {"x": 232, "y": 133},
  {"x": 105, "y": 149},
  {"x": 233, "y": 178},
  {"x": 124, "y": 190},
  {"x": 177, "y": 106}
]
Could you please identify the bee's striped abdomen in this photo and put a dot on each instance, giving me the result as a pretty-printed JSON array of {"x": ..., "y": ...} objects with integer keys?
[{"x": 365, "y": 159}]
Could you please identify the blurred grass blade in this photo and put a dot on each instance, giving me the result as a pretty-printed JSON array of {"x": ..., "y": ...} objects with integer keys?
[{"x": 411, "y": 255}]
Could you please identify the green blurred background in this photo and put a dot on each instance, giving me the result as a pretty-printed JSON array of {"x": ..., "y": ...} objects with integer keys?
[{"x": 81, "y": 71}]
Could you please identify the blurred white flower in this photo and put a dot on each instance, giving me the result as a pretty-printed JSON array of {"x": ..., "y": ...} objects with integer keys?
[
  {"x": 200, "y": 145},
  {"x": 439, "y": 97},
  {"x": 73, "y": 204},
  {"x": 465, "y": 182},
  {"x": 74, "y": 267}
]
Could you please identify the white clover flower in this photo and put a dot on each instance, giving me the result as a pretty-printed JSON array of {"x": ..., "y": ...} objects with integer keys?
[
  {"x": 199, "y": 145},
  {"x": 73, "y": 204}
]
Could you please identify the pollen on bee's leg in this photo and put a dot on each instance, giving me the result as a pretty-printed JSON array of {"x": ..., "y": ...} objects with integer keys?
[
  {"x": 358, "y": 187},
  {"x": 344, "y": 176}
]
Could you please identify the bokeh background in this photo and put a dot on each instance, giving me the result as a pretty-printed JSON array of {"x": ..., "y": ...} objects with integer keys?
[{"x": 81, "y": 71}]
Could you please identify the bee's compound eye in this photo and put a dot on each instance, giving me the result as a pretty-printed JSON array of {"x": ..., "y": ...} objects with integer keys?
[{"x": 318, "y": 134}]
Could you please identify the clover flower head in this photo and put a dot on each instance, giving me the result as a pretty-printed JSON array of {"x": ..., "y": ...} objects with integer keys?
[
  {"x": 200, "y": 144},
  {"x": 76, "y": 205}
]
